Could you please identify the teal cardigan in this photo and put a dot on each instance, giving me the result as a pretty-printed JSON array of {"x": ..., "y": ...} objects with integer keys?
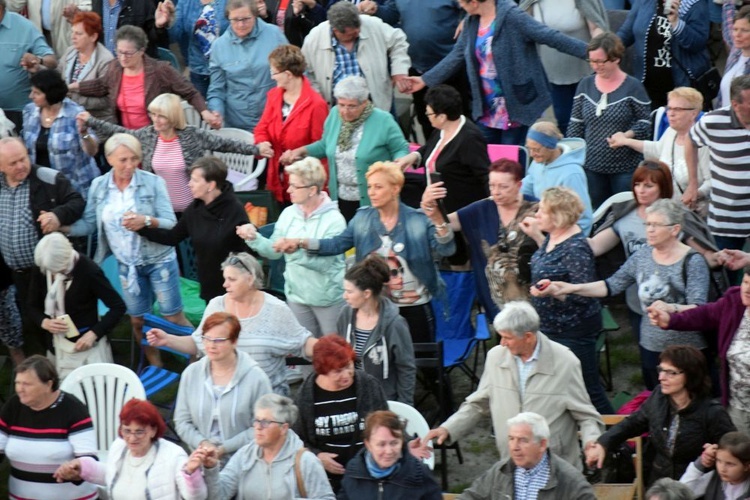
[{"x": 382, "y": 140}]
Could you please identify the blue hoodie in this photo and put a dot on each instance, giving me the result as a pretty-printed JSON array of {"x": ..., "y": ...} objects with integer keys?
[{"x": 566, "y": 170}]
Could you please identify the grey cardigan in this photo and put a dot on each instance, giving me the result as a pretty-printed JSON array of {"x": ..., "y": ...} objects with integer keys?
[{"x": 194, "y": 141}]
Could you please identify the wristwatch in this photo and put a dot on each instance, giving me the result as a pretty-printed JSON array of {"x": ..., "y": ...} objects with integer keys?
[{"x": 147, "y": 221}]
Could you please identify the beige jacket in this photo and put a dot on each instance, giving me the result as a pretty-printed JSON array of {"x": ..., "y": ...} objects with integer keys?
[
  {"x": 554, "y": 390},
  {"x": 99, "y": 107},
  {"x": 60, "y": 28},
  {"x": 379, "y": 48}
]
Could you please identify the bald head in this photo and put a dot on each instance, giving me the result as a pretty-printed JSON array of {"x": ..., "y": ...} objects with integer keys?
[{"x": 14, "y": 161}]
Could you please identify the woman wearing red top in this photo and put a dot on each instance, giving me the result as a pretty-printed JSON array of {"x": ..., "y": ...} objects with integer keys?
[{"x": 293, "y": 117}]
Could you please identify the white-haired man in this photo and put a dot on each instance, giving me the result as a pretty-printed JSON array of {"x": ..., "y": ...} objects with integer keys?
[
  {"x": 532, "y": 471},
  {"x": 528, "y": 372}
]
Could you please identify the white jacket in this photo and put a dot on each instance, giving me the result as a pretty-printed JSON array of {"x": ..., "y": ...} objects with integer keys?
[
  {"x": 166, "y": 481},
  {"x": 380, "y": 47}
]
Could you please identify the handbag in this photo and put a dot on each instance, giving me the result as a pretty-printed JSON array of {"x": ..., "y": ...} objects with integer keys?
[{"x": 708, "y": 84}]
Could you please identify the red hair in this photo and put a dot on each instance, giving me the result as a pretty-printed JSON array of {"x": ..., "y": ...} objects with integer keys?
[
  {"x": 330, "y": 353},
  {"x": 506, "y": 166},
  {"x": 143, "y": 413},
  {"x": 220, "y": 318},
  {"x": 92, "y": 23},
  {"x": 658, "y": 173}
]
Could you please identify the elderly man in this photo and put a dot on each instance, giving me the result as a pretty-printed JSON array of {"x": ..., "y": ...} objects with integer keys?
[
  {"x": 23, "y": 49},
  {"x": 33, "y": 201},
  {"x": 352, "y": 45},
  {"x": 529, "y": 372},
  {"x": 532, "y": 470}
]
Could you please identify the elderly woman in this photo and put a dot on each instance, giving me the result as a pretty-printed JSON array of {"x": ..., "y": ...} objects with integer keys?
[
  {"x": 135, "y": 79},
  {"x": 275, "y": 465},
  {"x": 141, "y": 463},
  {"x": 565, "y": 255},
  {"x": 728, "y": 317},
  {"x": 404, "y": 237},
  {"x": 312, "y": 285},
  {"x": 684, "y": 104},
  {"x": 269, "y": 332},
  {"x": 65, "y": 292},
  {"x": 170, "y": 146},
  {"x": 607, "y": 102},
  {"x": 557, "y": 162},
  {"x": 340, "y": 397},
  {"x": 384, "y": 468},
  {"x": 355, "y": 135},
  {"x": 664, "y": 270},
  {"x": 679, "y": 29},
  {"x": 293, "y": 116},
  {"x": 679, "y": 417},
  {"x": 87, "y": 59},
  {"x": 499, "y": 250},
  {"x": 41, "y": 427},
  {"x": 216, "y": 396},
  {"x": 122, "y": 201},
  {"x": 210, "y": 222},
  {"x": 51, "y": 135},
  {"x": 370, "y": 322},
  {"x": 240, "y": 77}
]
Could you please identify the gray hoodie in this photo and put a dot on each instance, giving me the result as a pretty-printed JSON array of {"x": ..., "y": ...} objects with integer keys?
[
  {"x": 195, "y": 403},
  {"x": 248, "y": 477},
  {"x": 388, "y": 354}
]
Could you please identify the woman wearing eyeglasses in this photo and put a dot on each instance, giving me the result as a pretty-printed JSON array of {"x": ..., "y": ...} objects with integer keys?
[
  {"x": 679, "y": 417},
  {"x": 141, "y": 463},
  {"x": 274, "y": 466},
  {"x": 214, "y": 408},
  {"x": 665, "y": 270}
]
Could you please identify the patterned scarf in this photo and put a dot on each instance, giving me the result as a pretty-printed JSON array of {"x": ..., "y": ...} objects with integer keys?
[{"x": 348, "y": 128}]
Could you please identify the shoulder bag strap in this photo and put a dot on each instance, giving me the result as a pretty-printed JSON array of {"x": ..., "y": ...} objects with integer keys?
[{"x": 298, "y": 472}]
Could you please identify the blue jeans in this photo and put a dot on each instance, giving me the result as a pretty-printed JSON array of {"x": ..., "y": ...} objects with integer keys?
[
  {"x": 200, "y": 82},
  {"x": 581, "y": 340},
  {"x": 516, "y": 135},
  {"x": 602, "y": 186},
  {"x": 562, "y": 103},
  {"x": 160, "y": 281}
]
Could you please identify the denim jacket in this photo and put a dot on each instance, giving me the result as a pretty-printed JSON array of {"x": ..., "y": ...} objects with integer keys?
[
  {"x": 414, "y": 239},
  {"x": 151, "y": 198}
]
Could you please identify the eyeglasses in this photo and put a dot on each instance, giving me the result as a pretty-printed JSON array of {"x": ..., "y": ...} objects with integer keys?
[
  {"x": 669, "y": 373},
  {"x": 535, "y": 150},
  {"x": 598, "y": 61},
  {"x": 139, "y": 433},
  {"x": 263, "y": 424},
  {"x": 127, "y": 54},
  {"x": 650, "y": 225},
  {"x": 214, "y": 341},
  {"x": 241, "y": 20},
  {"x": 294, "y": 188},
  {"x": 668, "y": 109},
  {"x": 236, "y": 261}
]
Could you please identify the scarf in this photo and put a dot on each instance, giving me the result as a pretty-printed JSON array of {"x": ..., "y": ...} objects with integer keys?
[
  {"x": 657, "y": 62},
  {"x": 347, "y": 128},
  {"x": 376, "y": 471},
  {"x": 57, "y": 285}
]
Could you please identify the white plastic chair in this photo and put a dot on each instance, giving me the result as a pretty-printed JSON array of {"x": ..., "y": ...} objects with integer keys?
[
  {"x": 243, "y": 169},
  {"x": 192, "y": 117},
  {"x": 104, "y": 388},
  {"x": 415, "y": 424}
]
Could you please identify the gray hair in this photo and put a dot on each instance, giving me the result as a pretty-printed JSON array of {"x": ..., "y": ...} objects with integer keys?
[
  {"x": 53, "y": 253},
  {"x": 343, "y": 15},
  {"x": 738, "y": 85},
  {"x": 517, "y": 317},
  {"x": 238, "y": 4},
  {"x": 310, "y": 170},
  {"x": 547, "y": 128},
  {"x": 669, "y": 209},
  {"x": 245, "y": 264},
  {"x": 283, "y": 408},
  {"x": 351, "y": 87},
  {"x": 536, "y": 422},
  {"x": 669, "y": 489},
  {"x": 134, "y": 34},
  {"x": 126, "y": 140}
]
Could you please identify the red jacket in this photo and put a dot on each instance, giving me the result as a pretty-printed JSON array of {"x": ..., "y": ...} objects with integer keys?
[{"x": 302, "y": 127}]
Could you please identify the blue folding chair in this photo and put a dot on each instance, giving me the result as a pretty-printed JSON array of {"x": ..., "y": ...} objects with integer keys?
[{"x": 274, "y": 267}]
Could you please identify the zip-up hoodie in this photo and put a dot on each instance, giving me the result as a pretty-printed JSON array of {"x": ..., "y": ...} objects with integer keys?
[
  {"x": 195, "y": 406},
  {"x": 388, "y": 354},
  {"x": 566, "y": 170},
  {"x": 248, "y": 476},
  {"x": 309, "y": 279}
]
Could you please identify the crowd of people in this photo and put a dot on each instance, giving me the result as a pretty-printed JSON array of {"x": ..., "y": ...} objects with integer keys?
[{"x": 602, "y": 201}]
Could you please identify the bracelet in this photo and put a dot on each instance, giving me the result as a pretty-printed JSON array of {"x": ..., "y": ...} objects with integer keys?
[{"x": 299, "y": 243}]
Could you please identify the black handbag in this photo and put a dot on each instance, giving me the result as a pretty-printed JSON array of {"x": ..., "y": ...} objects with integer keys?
[{"x": 708, "y": 84}]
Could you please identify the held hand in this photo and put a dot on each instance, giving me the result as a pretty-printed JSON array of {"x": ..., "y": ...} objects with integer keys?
[
  {"x": 402, "y": 83},
  {"x": 690, "y": 196},
  {"x": 367, "y": 7},
  {"x": 133, "y": 221},
  {"x": 86, "y": 342},
  {"x": 406, "y": 161},
  {"x": 658, "y": 316},
  {"x": 419, "y": 450},
  {"x": 69, "y": 12},
  {"x": 617, "y": 140},
  {"x": 286, "y": 245},
  {"x": 195, "y": 460},
  {"x": 55, "y": 326},
  {"x": 247, "y": 232},
  {"x": 213, "y": 118},
  {"x": 431, "y": 194},
  {"x": 439, "y": 434},
  {"x": 265, "y": 149},
  {"x": 157, "y": 337},
  {"x": 547, "y": 288},
  {"x": 708, "y": 457},
  {"x": 262, "y": 9},
  {"x": 416, "y": 84},
  {"x": 68, "y": 471},
  {"x": 163, "y": 14},
  {"x": 329, "y": 463},
  {"x": 595, "y": 455},
  {"x": 733, "y": 259},
  {"x": 48, "y": 222},
  {"x": 30, "y": 62}
]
